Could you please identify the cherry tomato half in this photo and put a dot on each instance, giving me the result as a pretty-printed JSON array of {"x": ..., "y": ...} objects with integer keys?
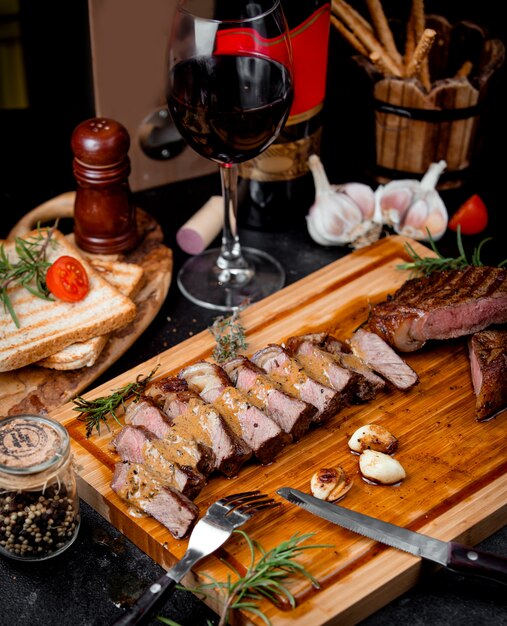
[
  {"x": 67, "y": 279},
  {"x": 472, "y": 216}
]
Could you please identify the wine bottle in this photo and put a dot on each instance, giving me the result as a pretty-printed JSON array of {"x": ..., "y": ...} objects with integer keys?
[{"x": 276, "y": 188}]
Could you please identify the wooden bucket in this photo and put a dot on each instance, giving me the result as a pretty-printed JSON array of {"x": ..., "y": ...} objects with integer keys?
[{"x": 415, "y": 127}]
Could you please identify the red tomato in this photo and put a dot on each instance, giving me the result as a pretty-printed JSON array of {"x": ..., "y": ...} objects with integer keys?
[
  {"x": 472, "y": 216},
  {"x": 67, "y": 279}
]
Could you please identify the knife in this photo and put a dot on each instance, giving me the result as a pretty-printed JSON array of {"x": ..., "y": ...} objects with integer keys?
[{"x": 455, "y": 556}]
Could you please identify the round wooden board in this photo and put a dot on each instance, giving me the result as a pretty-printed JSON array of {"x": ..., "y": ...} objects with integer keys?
[{"x": 39, "y": 390}]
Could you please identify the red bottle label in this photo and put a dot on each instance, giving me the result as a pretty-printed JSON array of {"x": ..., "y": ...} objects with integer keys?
[
  {"x": 309, "y": 51},
  {"x": 309, "y": 54}
]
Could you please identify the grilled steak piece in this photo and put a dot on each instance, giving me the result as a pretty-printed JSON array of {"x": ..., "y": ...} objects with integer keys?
[
  {"x": 322, "y": 367},
  {"x": 382, "y": 359},
  {"x": 186, "y": 449},
  {"x": 137, "y": 445},
  {"x": 444, "y": 305},
  {"x": 182, "y": 404},
  {"x": 488, "y": 365},
  {"x": 258, "y": 431},
  {"x": 284, "y": 369},
  {"x": 134, "y": 484},
  {"x": 291, "y": 414},
  {"x": 368, "y": 383}
]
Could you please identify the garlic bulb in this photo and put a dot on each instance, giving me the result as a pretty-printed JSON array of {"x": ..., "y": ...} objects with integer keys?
[
  {"x": 342, "y": 214},
  {"x": 330, "y": 483},
  {"x": 373, "y": 437},
  {"x": 413, "y": 207},
  {"x": 380, "y": 468}
]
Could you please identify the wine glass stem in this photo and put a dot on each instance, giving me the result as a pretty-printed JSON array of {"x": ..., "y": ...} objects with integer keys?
[{"x": 235, "y": 269}]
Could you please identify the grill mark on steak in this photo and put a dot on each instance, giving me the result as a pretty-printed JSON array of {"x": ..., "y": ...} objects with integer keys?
[
  {"x": 290, "y": 413},
  {"x": 383, "y": 359},
  {"x": 265, "y": 438},
  {"x": 136, "y": 444},
  {"x": 488, "y": 367},
  {"x": 136, "y": 486},
  {"x": 444, "y": 305},
  {"x": 180, "y": 403},
  {"x": 283, "y": 368}
]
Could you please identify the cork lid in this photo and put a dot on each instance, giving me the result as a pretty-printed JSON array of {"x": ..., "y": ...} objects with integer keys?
[{"x": 31, "y": 443}]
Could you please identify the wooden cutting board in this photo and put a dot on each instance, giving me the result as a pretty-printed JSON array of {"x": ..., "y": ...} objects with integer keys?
[
  {"x": 39, "y": 390},
  {"x": 456, "y": 485}
]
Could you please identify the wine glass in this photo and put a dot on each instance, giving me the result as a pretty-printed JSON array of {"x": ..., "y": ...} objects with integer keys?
[{"x": 229, "y": 92}]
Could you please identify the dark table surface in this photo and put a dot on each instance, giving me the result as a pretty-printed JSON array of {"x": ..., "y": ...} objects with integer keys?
[{"x": 102, "y": 572}]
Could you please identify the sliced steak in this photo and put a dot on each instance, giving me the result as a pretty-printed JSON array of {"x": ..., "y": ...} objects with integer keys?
[
  {"x": 322, "y": 367},
  {"x": 374, "y": 351},
  {"x": 488, "y": 365},
  {"x": 368, "y": 383},
  {"x": 444, "y": 305},
  {"x": 290, "y": 413},
  {"x": 182, "y": 404},
  {"x": 284, "y": 369},
  {"x": 135, "y": 444},
  {"x": 258, "y": 431},
  {"x": 134, "y": 484},
  {"x": 186, "y": 448}
]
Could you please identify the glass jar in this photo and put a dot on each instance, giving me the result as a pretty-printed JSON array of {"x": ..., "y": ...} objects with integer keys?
[{"x": 39, "y": 504}]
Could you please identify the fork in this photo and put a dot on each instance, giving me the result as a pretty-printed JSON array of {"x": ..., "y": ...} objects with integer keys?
[{"x": 210, "y": 532}]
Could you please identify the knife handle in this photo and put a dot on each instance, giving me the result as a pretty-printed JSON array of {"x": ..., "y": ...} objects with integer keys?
[{"x": 466, "y": 560}]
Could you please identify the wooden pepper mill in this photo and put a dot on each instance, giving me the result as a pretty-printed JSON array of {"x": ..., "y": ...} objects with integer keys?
[{"x": 104, "y": 215}]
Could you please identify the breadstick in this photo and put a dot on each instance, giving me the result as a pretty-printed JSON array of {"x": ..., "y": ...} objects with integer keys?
[
  {"x": 348, "y": 35},
  {"x": 383, "y": 30},
  {"x": 350, "y": 9},
  {"x": 409, "y": 40},
  {"x": 378, "y": 61},
  {"x": 464, "y": 70},
  {"x": 420, "y": 54},
  {"x": 365, "y": 35}
]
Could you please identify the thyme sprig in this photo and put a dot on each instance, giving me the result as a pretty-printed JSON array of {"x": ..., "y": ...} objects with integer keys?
[
  {"x": 29, "y": 271},
  {"x": 95, "y": 412},
  {"x": 266, "y": 577},
  {"x": 230, "y": 336},
  {"x": 427, "y": 265}
]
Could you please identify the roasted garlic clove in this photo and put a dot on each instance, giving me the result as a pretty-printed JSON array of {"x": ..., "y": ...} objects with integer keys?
[
  {"x": 413, "y": 207},
  {"x": 381, "y": 468},
  {"x": 330, "y": 483},
  {"x": 373, "y": 437}
]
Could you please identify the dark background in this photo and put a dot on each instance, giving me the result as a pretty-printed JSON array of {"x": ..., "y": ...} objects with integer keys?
[
  {"x": 35, "y": 142},
  {"x": 103, "y": 570}
]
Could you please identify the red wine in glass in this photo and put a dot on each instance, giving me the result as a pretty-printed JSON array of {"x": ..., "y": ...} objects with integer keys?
[
  {"x": 229, "y": 93},
  {"x": 230, "y": 108}
]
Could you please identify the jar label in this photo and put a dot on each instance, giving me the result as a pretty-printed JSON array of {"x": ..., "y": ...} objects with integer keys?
[{"x": 25, "y": 443}]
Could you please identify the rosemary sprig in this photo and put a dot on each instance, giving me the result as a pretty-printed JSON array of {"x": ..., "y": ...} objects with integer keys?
[
  {"x": 229, "y": 335},
  {"x": 29, "y": 270},
  {"x": 265, "y": 577},
  {"x": 427, "y": 265},
  {"x": 94, "y": 412}
]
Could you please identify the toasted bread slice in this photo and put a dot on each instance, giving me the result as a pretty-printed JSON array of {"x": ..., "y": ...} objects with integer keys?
[
  {"x": 127, "y": 278},
  {"x": 47, "y": 326}
]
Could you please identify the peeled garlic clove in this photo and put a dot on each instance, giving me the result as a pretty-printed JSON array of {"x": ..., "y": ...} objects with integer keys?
[
  {"x": 373, "y": 437},
  {"x": 330, "y": 483},
  {"x": 380, "y": 468},
  {"x": 414, "y": 208}
]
